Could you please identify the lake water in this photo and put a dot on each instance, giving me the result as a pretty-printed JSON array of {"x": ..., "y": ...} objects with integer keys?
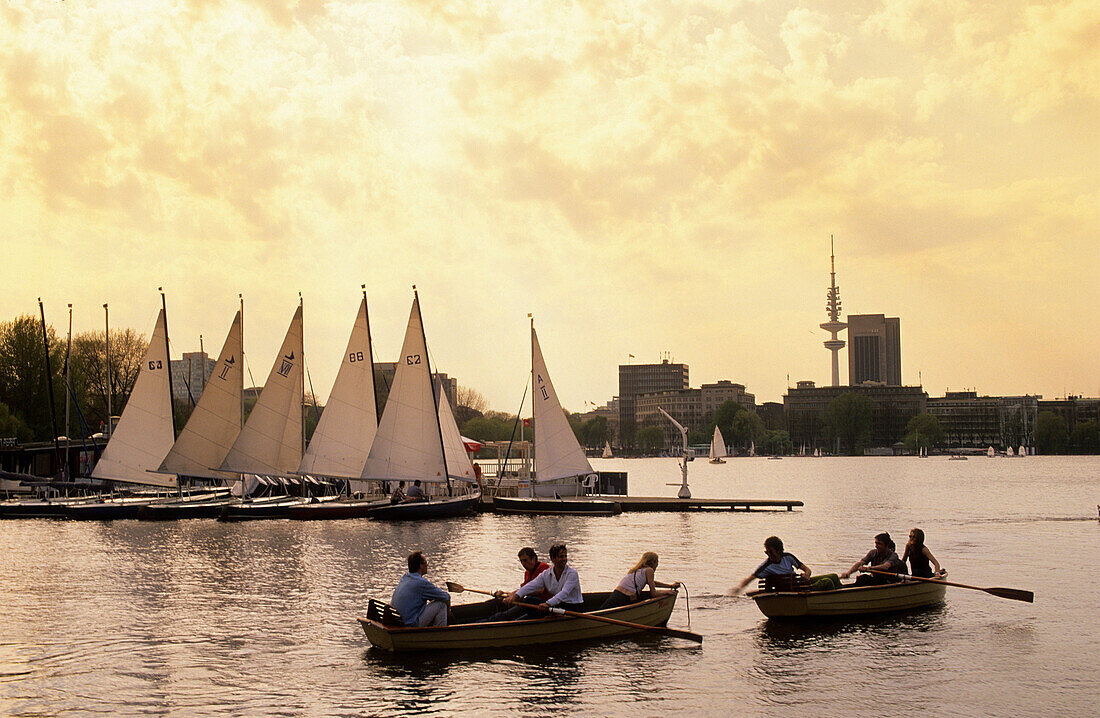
[{"x": 204, "y": 618}]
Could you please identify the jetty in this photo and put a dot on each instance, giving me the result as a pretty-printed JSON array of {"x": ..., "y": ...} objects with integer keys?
[{"x": 673, "y": 504}]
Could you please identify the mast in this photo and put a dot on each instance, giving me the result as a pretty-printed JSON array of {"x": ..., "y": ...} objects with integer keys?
[
  {"x": 302, "y": 392},
  {"x": 202, "y": 374},
  {"x": 435, "y": 396},
  {"x": 241, "y": 297},
  {"x": 370, "y": 343},
  {"x": 107, "y": 352},
  {"x": 168, "y": 359},
  {"x": 49, "y": 386},
  {"x": 68, "y": 383}
]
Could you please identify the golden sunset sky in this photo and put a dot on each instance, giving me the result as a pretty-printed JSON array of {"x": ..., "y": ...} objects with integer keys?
[{"x": 644, "y": 177}]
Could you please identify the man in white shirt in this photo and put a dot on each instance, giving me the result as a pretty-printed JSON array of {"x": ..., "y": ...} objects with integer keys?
[{"x": 560, "y": 580}]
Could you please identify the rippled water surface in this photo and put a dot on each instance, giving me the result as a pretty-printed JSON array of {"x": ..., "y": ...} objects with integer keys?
[{"x": 203, "y": 618}]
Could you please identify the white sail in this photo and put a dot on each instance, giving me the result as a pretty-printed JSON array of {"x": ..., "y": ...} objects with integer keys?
[
  {"x": 344, "y": 434},
  {"x": 216, "y": 419},
  {"x": 144, "y": 433},
  {"x": 1009, "y": 452},
  {"x": 1022, "y": 451},
  {"x": 990, "y": 452},
  {"x": 752, "y": 448},
  {"x": 558, "y": 454},
  {"x": 271, "y": 440},
  {"x": 458, "y": 461},
  {"x": 607, "y": 450},
  {"x": 408, "y": 444},
  {"x": 717, "y": 445}
]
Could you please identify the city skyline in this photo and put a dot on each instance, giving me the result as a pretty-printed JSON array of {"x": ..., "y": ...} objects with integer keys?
[{"x": 643, "y": 179}]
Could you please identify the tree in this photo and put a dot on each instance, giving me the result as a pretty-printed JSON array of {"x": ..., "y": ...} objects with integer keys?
[
  {"x": 469, "y": 404},
  {"x": 1051, "y": 433},
  {"x": 650, "y": 438},
  {"x": 12, "y": 425},
  {"x": 777, "y": 442},
  {"x": 923, "y": 432},
  {"x": 89, "y": 370},
  {"x": 723, "y": 419},
  {"x": 23, "y": 374},
  {"x": 848, "y": 418},
  {"x": 493, "y": 426},
  {"x": 595, "y": 432},
  {"x": 1086, "y": 437},
  {"x": 746, "y": 428}
]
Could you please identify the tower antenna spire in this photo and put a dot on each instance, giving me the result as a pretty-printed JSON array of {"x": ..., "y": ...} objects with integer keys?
[{"x": 832, "y": 309}]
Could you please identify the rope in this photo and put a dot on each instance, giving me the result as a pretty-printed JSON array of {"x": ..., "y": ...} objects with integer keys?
[{"x": 687, "y": 602}]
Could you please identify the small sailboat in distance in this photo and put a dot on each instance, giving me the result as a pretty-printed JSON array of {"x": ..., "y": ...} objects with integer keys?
[
  {"x": 607, "y": 450},
  {"x": 717, "y": 447}
]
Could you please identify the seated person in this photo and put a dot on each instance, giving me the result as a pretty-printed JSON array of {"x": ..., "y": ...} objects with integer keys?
[
  {"x": 561, "y": 580},
  {"x": 415, "y": 493},
  {"x": 532, "y": 567},
  {"x": 398, "y": 495},
  {"x": 882, "y": 558},
  {"x": 419, "y": 601},
  {"x": 778, "y": 563},
  {"x": 919, "y": 557},
  {"x": 630, "y": 588}
]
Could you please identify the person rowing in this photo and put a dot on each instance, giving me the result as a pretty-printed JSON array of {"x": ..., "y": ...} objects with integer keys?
[
  {"x": 781, "y": 563},
  {"x": 883, "y": 557},
  {"x": 532, "y": 567},
  {"x": 561, "y": 580},
  {"x": 630, "y": 588}
]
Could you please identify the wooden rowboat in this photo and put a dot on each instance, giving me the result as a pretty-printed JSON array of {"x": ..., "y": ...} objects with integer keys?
[
  {"x": 849, "y": 601},
  {"x": 464, "y": 634}
]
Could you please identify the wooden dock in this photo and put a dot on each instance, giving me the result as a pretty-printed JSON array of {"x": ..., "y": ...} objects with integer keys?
[{"x": 673, "y": 504}]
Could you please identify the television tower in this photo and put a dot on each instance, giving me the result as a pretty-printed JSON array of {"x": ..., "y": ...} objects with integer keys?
[{"x": 832, "y": 308}]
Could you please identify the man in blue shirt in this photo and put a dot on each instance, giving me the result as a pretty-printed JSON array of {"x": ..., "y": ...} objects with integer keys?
[
  {"x": 419, "y": 601},
  {"x": 778, "y": 563}
]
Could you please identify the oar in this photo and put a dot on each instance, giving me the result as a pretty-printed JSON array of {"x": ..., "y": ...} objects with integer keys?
[
  {"x": 1013, "y": 593},
  {"x": 459, "y": 588}
]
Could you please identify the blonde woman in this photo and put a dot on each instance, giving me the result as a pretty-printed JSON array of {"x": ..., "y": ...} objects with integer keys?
[{"x": 630, "y": 588}]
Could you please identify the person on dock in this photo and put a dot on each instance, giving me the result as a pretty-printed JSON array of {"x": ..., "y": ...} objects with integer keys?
[
  {"x": 883, "y": 557},
  {"x": 415, "y": 493},
  {"x": 532, "y": 567},
  {"x": 918, "y": 556},
  {"x": 398, "y": 495},
  {"x": 635, "y": 581},
  {"x": 781, "y": 563},
  {"x": 419, "y": 601},
  {"x": 560, "y": 580}
]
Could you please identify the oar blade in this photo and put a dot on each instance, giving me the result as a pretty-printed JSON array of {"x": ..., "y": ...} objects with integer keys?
[
  {"x": 455, "y": 587},
  {"x": 683, "y": 634},
  {"x": 1014, "y": 594}
]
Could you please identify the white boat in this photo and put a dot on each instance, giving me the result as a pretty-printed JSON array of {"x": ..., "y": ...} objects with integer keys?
[
  {"x": 1022, "y": 451},
  {"x": 607, "y": 450},
  {"x": 1009, "y": 452},
  {"x": 717, "y": 447},
  {"x": 417, "y": 438},
  {"x": 752, "y": 448},
  {"x": 145, "y": 432},
  {"x": 215, "y": 421},
  {"x": 270, "y": 443},
  {"x": 990, "y": 452}
]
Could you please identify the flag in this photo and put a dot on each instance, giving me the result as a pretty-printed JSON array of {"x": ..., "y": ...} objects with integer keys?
[{"x": 527, "y": 423}]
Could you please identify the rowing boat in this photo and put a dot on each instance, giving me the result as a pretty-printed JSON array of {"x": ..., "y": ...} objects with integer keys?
[
  {"x": 849, "y": 600},
  {"x": 441, "y": 508},
  {"x": 464, "y": 634}
]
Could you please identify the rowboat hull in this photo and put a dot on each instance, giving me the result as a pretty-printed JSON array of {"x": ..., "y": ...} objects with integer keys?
[
  {"x": 421, "y": 510},
  {"x": 466, "y": 636},
  {"x": 849, "y": 601},
  {"x": 583, "y": 507},
  {"x": 350, "y": 509}
]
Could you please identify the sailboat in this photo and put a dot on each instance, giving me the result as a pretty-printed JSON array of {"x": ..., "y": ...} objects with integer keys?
[
  {"x": 1009, "y": 452},
  {"x": 269, "y": 446},
  {"x": 607, "y": 450},
  {"x": 417, "y": 438},
  {"x": 144, "y": 435},
  {"x": 990, "y": 452},
  {"x": 752, "y": 448},
  {"x": 560, "y": 463},
  {"x": 717, "y": 447}
]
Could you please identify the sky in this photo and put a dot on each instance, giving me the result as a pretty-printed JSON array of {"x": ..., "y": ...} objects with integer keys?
[{"x": 656, "y": 179}]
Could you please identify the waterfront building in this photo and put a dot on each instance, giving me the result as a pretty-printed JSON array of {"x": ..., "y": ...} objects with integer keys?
[
  {"x": 970, "y": 420},
  {"x": 189, "y": 376},
  {"x": 874, "y": 353},
  {"x": 638, "y": 379},
  {"x": 1074, "y": 409},
  {"x": 693, "y": 408},
  {"x": 891, "y": 409}
]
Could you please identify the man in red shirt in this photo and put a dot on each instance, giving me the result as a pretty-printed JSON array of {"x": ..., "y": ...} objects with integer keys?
[{"x": 531, "y": 567}]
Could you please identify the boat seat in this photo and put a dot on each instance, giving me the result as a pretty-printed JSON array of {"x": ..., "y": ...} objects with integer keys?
[
  {"x": 384, "y": 613},
  {"x": 789, "y": 582}
]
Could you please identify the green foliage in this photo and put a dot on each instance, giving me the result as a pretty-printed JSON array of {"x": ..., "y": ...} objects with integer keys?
[
  {"x": 23, "y": 374},
  {"x": 723, "y": 418},
  {"x": 777, "y": 442},
  {"x": 594, "y": 432},
  {"x": 650, "y": 438},
  {"x": 746, "y": 429},
  {"x": 848, "y": 418},
  {"x": 1051, "y": 433},
  {"x": 492, "y": 426},
  {"x": 11, "y": 425},
  {"x": 90, "y": 377},
  {"x": 1086, "y": 437},
  {"x": 923, "y": 432}
]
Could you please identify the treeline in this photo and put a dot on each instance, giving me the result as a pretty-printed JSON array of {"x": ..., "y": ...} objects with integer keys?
[{"x": 24, "y": 392}]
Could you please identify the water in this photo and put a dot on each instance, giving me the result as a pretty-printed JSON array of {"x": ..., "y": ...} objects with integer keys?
[{"x": 203, "y": 618}]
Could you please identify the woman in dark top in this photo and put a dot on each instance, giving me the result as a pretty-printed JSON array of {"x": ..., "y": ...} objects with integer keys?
[{"x": 919, "y": 556}]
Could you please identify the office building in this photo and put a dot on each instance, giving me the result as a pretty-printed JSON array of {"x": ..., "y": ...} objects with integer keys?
[
  {"x": 874, "y": 349},
  {"x": 638, "y": 379},
  {"x": 189, "y": 376}
]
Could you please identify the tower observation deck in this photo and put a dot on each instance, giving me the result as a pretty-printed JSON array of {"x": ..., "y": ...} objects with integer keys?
[{"x": 832, "y": 309}]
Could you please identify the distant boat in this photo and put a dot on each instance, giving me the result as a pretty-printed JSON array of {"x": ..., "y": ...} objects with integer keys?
[
  {"x": 1022, "y": 451},
  {"x": 752, "y": 448},
  {"x": 1009, "y": 452},
  {"x": 957, "y": 457},
  {"x": 607, "y": 450},
  {"x": 717, "y": 447},
  {"x": 990, "y": 452},
  {"x": 817, "y": 453}
]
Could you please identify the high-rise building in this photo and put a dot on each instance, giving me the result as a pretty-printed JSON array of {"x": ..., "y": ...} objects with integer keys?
[
  {"x": 635, "y": 379},
  {"x": 832, "y": 310},
  {"x": 190, "y": 374},
  {"x": 874, "y": 349}
]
